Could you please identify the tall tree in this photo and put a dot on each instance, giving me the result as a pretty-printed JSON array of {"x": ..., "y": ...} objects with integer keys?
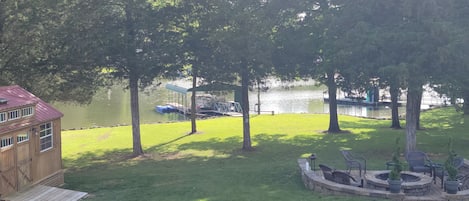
[
  {"x": 321, "y": 48},
  {"x": 383, "y": 59},
  {"x": 32, "y": 47},
  {"x": 394, "y": 76},
  {"x": 452, "y": 80},
  {"x": 423, "y": 33},
  {"x": 198, "y": 51},
  {"x": 138, "y": 41},
  {"x": 242, "y": 46}
]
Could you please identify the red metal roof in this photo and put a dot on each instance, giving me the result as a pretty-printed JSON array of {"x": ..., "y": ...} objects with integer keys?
[{"x": 18, "y": 97}]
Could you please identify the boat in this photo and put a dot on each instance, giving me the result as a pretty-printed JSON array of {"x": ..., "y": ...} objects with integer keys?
[
  {"x": 165, "y": 108},
  {"x": 358, "y": 101}
]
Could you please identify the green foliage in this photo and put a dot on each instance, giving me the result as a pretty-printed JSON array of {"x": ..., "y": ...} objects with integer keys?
[
  {"x": 395, "y": 173},
  {"x": 35, "y": 52},
  {"x": 449, "y": 163}
]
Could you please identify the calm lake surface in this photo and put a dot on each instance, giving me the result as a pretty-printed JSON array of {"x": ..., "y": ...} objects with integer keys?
[{"x": 111, "y": 106}]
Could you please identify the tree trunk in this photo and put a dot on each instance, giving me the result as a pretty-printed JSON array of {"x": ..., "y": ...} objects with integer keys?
[
  {"x": 258, "y": 98},
  {"x": 394, "y": 91},
  {"x": 412, "y": 111},
  {"x": 134, "y": 108},
  {"x": 193, "y": 106},
  {"x": 245, "y": 104},
  {"x": 332, "y": 91},
  {"x": 418, "y": 107}
]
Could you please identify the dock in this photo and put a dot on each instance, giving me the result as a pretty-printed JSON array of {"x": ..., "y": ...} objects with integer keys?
[
  {"x": 178, "y": 108},
  {"x": 349, "y": 101}
]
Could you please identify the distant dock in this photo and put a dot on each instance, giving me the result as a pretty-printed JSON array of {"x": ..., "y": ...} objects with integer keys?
[
  {"x": 361, "y": 102},
  {"x": 178, "y": 108}
]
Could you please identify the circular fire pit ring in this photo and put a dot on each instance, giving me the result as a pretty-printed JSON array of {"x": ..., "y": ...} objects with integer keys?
[{"x": 416, "y": 184}]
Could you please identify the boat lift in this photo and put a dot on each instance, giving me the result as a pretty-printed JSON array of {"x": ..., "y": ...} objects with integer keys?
[{"x": 178, "y": 101}]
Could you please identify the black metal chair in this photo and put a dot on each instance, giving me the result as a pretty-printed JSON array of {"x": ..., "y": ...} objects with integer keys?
[
  {"x": 338, "y": 176},
  {"x": 327, "y": 172},
  {"x": 354, "y": 161},
  {"x": 418, "y": 161},
  {"x": 346, "y": 179},
  {"x": 441, "y": 173},
  {"x": 464, "y": 182}
]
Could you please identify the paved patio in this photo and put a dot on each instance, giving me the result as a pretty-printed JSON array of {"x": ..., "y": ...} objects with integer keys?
[{"x": 315, "y": 181}]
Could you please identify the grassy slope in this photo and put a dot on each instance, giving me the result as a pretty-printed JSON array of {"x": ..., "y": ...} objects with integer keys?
[{"x": 210, "y": 166}]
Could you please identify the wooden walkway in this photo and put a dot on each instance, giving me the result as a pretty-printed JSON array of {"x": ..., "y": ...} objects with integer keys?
[{"x": 46, "y": 193}]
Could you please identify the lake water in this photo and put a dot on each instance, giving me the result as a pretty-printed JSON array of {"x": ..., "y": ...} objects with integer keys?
[{"x": 111, "y": 106}]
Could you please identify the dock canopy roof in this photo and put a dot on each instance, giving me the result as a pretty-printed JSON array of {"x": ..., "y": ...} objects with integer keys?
[
  {"x": 207, "y": 87},
  {"x": 176, "y": 88}
]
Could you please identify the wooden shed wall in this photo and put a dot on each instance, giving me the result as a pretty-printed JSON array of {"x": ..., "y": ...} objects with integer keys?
[
  {"x": 48, "y": 162},
  {"x": 23, "y": 164},
  {"x": 15, "y": 164},
  {"x": 7, "y": 171}
]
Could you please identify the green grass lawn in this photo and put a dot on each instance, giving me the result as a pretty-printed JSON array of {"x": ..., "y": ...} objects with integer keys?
[{"x": 210, "y": 166}]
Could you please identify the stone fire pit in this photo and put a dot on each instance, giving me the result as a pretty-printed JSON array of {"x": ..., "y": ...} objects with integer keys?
[
  {"x": 413, "y": 183},
  {"x": 415, "y": 189}
]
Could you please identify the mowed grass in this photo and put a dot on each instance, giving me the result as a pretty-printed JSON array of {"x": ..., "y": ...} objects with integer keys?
[{"x": 210, "y": 165}]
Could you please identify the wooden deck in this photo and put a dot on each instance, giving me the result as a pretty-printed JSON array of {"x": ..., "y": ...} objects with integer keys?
[{"x": 46, "y": 193}]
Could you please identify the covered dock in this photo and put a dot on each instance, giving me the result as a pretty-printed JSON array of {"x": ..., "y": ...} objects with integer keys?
[{"x": 206, "y": 104}]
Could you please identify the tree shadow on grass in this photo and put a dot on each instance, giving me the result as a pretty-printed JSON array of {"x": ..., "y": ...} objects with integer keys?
[
  {"x": 364, "y": 123},
  {"x": 269, "y": 173},
  {"x": 98, "y": 158},
  {"x": 442, "y": 119},
  {"x": 217, "y": 168}
]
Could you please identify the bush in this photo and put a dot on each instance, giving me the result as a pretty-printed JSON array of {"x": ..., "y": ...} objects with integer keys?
[
  {"x": 449, "y": 163},
  {"x": 395, "y": 173}
]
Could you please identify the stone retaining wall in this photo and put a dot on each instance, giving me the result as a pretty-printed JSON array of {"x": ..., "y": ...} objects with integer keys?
[{"x": 317, "y": 183}]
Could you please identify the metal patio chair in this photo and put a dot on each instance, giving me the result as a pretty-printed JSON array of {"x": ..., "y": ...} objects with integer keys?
[
  {"x": 346, "y": 179},
  {"x": 353, "y": 160},
  {"x": 327, "y": 172},
  {"x": 337, "y": 176},
  {"x": 418, "y": 161}
]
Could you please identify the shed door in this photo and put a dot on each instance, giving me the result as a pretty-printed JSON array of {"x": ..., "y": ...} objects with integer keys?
[
  {"x": 24, "y": 165},
  {"x": 7, "y": 171}
]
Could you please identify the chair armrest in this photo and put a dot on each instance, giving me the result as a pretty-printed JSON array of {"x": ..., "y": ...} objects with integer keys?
[
  {"x": 437, "y": 165},
  {"x": 428, "y": 161}
]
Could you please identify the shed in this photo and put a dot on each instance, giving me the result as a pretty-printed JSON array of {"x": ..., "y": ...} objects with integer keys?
[{"x": 30, "y": 141}]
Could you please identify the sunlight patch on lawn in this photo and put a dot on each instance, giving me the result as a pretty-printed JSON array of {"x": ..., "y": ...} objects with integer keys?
[
  {"x": 189, "y": 153},
  {"x": 205, "y": 153},
  {"x": 363, "y": 136},
  {"x": 345, "y": 148},
  {"x": 305, "y": 155},
  {"x": 344, "y": 140}
]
